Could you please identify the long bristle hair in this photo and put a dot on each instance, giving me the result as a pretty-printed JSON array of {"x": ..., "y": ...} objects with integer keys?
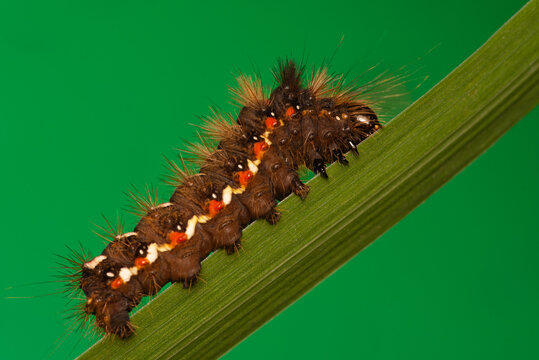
[
  {"x": 197, "y": 152},
  {"x": 219, "y": 125},
  {"x": 321, "y": 83},
  {"x": 70, "y": 270},
  {"x": 249, "y": 92},
  {"x": 288, "y": 73},
  {"x": 142, "y": 202},
  {"x": 177, "y": 174},
  {"x": 109, "y": 232}
]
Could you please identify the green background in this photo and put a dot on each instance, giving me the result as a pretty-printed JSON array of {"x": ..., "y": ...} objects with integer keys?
[{"x": 93, "y": 93}]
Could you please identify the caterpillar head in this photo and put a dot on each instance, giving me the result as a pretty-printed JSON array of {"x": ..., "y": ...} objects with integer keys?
[
  {"x": 110, "y": 306},
  {"x": 363, "y": 120},
  {"x": 111, "y": 311}
]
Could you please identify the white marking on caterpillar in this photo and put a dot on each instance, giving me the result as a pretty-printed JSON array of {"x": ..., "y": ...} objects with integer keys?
[
  {"x": 338, "y": 118},
  {"x": 167, "y": 204},
  {"x": 362, "y": 119},
  {"x": 214, "y": 196},
  {"x": 227, "y": 195},
  {"x": 203, "y": 219},
  {"x": 179, "y": 227},
  {"x": 126, "y": 235},
  {"x": 272, "y": 113},
  {"x": 163, "y": 248},
  {"x": 125, "y": 274},
  {"x": 152, "y": 253},
  {"x": 238, "y": 191},
  {"x": 252, "y": 167},
  {"x": 191, "y": 225},
  {"x": 265, "y": 136},
  {"x": 351, "y": 144},
  {"x": 297, "y": 107},
  {"x": 95, "y": 261},
  {"x": 240, "y": 166},
  {"x": 110, "y": 274}
]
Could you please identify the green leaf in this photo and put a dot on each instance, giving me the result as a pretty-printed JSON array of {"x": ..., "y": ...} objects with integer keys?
[{"x": 418, "y": 152}]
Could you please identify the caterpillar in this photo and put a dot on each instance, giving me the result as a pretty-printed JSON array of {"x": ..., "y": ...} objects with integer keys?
[{"x": 247, "y": 164}]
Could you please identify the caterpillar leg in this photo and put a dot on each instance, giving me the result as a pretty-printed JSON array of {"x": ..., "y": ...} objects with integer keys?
[
  {"x": 362, "y": 121},
  {"x": 273, "y": 217},
  {"x": 300, "y": 189},
  {"x": 234, "y": 248},
  {"x": 311, "y": 146},
  {"x": 281, "y": 141}
]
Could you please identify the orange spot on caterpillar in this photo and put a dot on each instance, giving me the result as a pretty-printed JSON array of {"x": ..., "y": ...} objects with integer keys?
[
  {"x": 116, "y": 283},
  {"x": 290, "y": 111},
  {"x": 259, "y": 148},
  {"x": 177, "y": 237},
  {"x": 141, "y": 262},
  {"x": 244, "y": 177},
  {"x": 215, "y": 207},
  {"x": 271, "y": 122}
]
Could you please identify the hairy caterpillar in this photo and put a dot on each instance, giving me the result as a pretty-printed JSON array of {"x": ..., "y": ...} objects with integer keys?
[{"x": 254, "y": 164}]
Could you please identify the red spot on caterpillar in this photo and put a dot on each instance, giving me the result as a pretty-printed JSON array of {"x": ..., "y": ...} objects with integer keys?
[
  {"x": 271, "y": 122},
  {"x": 290, "y": 111},
  {"x": 245, "y": 177},
  {"x": 215, "y": 207},
  {"x": 177, "y": 237},
  {"x": 116, "y": 283},
  {"x": 259, "y": 148},
  {"x": 141, "y": 262}
]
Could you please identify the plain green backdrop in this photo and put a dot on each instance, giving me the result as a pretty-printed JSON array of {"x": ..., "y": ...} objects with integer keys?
[{"x": 93, "y": 93}]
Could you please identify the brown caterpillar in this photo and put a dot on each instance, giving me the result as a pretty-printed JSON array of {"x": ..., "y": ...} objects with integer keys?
[{"x": 254, "y": 164}]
